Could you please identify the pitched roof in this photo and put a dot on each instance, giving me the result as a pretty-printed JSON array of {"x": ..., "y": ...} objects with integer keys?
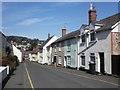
[
  {"x": 68, "y": 36},
  {"x": 46, "y": 41},
  {"x": 109, "y": 21},
  {"x": 84, "y": 26}
]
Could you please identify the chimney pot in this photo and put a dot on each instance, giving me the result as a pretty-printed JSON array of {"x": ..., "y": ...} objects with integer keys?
[
  {"x": 63, "y": 31},
  {"x": 48, "y": 35},
  {"x": 92, "y": 14}
]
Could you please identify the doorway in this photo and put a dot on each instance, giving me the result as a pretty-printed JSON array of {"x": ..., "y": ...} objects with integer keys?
[
  {"x": 54, "y": 60},
  {"x": 102, "y": 63}
]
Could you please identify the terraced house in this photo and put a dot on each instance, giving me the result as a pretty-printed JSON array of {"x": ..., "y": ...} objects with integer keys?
[
  {"x": 65, "y": 49},
  {"x": 100, "y": 43},
  {"x": 43, "y": 57}
]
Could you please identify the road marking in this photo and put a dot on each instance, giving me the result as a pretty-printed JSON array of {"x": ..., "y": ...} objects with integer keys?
[
  {"x": 88, "y": 77},
  {"x": 30, "y": 81}
]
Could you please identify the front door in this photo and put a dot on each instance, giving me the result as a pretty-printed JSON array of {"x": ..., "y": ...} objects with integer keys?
[
  {"x": 65, "y": 61},
  {"x": 54, "y": 60},
  {"x": 102, "y": 63}
]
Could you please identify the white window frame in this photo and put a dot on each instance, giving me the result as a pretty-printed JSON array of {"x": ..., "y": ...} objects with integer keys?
[
  {"x": 55, "y": 48},
  {"x": 60, "y": 46},
  {"x": 92, "y": 55},
  {"x": 82, "y": 38},
  {"x": 82, "y": 60},
  {"x": 60, "y": 60},
  {"x": 92, "y": 38},
  {"x": 68, "y": 45},
  {"x": 68, "y": 60}
]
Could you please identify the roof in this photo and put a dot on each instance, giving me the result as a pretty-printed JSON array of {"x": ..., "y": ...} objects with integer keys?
[
  {"x": 84, "y": 26},
  {"x": 109, "y": 21},
  {"x": 46, "y": 41},
  {"x": 68, "y": 36}
]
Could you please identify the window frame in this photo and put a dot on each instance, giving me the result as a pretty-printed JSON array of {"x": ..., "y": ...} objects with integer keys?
[
  {"x": 60, "y": 45},
  {"x": 83, "y": 60},
  {"x": 68, "y": 60},
  {"x": 59, "y": 60}
]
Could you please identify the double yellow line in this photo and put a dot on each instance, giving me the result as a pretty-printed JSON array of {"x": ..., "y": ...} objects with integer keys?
[{"x": 30, "y": 81}]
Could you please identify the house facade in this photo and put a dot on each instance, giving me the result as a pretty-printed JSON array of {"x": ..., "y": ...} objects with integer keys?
[
  {"x": 65, "y": 49},
  {"x": 98, "y": 45},
  {"x": 43, "y": 59},
  {"x": 57, "y": 56}
]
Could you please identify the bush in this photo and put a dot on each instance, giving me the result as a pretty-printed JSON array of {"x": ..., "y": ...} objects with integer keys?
[
  {"x": 11, "y": 61},
  {"x": 15, "y": 59}
]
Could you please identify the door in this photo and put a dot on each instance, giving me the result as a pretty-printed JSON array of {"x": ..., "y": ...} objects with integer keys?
[
  {"x": 65, "y": 61},
  {"x": 115, "y": 65},
  {"x": 54, "y": 60},
  {"x": 102, "y": 63}
]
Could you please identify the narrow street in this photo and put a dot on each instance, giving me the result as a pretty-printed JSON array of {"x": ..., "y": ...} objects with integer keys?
[{"x": 34, "y": 75}]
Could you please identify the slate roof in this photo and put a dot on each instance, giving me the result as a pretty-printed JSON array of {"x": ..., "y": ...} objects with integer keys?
[
  {"x": 46, "y": 42},
  {"x": 68, "y": 36},
  {"x": 84, "y": 26},
  {"x": 109, "y": 21}
]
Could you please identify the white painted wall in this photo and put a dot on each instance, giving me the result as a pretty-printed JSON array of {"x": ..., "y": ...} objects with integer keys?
[
  {"x": 116, "y": 27},
  {"x": 18, "y": 53},
  {"x": 3, "y": 74},
  {"x": 103, "y": 44},
  {"x": 44, "y": 54}
]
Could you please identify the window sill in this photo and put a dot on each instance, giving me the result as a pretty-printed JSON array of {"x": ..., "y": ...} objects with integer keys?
[{"x": 68, "y": 50}]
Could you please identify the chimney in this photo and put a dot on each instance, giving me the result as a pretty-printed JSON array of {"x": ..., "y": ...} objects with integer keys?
[
  {"x": 92, "y": 14},
  {"x": 48, "y": 35},
  {"x": 64, "y": 31}
]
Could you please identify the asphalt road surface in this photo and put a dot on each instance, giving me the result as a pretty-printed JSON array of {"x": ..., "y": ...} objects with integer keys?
[{"x": 34, "y": 75}]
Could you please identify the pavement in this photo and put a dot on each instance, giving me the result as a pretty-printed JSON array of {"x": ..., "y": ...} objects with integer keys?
[{"x": 34, "y": 75}]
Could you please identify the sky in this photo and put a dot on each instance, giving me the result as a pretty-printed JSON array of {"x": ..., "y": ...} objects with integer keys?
[{"x": 37, "y": 19}]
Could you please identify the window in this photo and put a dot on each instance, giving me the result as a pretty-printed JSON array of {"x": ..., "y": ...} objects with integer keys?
[
  {"x": 92, "y": 57},
  {"x": 55, "y": 48},
  {"x": 68, "y": 45},
  {"x": 68, "y": 60},
  {"x": 59, "y": 60},
  {"x": 48, "y": 49},
  {"x": 92, "y": 36},
  {"x": 83, "y": 60},
  {"x": 59, "y": 46},
  {"x": 83, "y": 38}
]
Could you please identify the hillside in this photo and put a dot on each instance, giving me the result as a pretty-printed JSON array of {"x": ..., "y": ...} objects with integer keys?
[{"x": 24, "y": 40}]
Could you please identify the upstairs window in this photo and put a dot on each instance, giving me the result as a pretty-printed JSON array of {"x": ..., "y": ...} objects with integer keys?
[
  {"x": 83, "y": 38},
  {"x": 59, "y": 46},
  {"x": 92, "y": 36},
  {"x": 55, "y": 48},
  {"x": 68, "y": 45}
]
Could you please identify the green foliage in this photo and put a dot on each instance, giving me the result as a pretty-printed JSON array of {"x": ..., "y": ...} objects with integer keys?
[{"x": 11, "y": 61}]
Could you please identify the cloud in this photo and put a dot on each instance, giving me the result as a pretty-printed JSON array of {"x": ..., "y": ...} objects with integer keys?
[{"x": 33, "y": 21}]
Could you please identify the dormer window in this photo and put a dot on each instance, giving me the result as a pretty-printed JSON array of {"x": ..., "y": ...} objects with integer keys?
[
  {"x": 83, "y": 38},
  {"x": 92, "y": 36}
]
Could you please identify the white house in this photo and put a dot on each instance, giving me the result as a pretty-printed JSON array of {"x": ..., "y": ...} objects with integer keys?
[
  {"x": 100, "y": 43},
  {"x": 44, "y": 51},
  {"x": 17, "y": 52}
]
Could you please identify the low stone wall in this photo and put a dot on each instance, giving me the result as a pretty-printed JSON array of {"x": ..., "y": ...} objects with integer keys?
[{"x": 4, "y": 71}]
